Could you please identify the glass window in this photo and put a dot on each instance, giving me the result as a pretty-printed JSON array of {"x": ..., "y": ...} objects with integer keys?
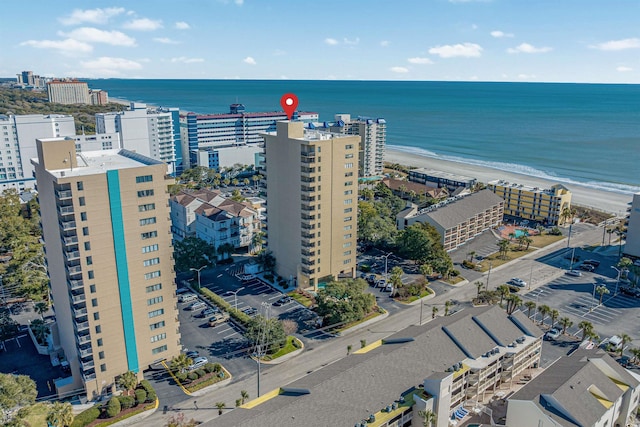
[{"x": 144, "y": 178}]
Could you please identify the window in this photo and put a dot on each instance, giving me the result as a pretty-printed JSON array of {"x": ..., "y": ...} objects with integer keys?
[
  {"x": 144, "y": 178},
  {"x": 145, "y": 193},
  {"x": 90, "y": 274},
  {"x": 80, "y": 185},
  {"x": 347, "y": 261},
  {"x": 151, "y": 261},
  {"x": 96, "y": 316},
  {"x": 159, "y": 349},
  {"x": 98, "y": 329},
  {"x": 155, "y": 287},
  {"x": 81, "y": 201},
  {"x": 346, "y": 245},
  {"x": 87, "y": 246},
  {"x": 347, "y": 227},
  {"x": 348, "y": 210},
  {"x": 348, "y": 201},
  {"x": 348, "y": 192},
  {"x": 99, "y": 342},
  {"x": 348, "y": 156},
  {"x": 348, "y": 165},
  {"x": 345, "y": 253},
  {"x": 92, "y": 289},
  {"x": 347, "y": 218},
  {"x": 348, "y": 183},
  {"x": 148, "y": 221},
  {"x": 89, "y": 260},
  {"x": 83, "y": 216},
  {"x": 148, "y": 235},
  {"x": 85, "y": 231},
  {"x": 348, "y": 174},
  {"x": 103, "y": 367},
  {"x": 152, "y": 275},
  {"x": 147, "y": 207},
  {"x": 348, "y": 236},
  {"x": 158, "y": 337},
  {"x": 101, "y": 355},
  {"x": 158, "y": 325},
  {"x": 348, "y": 147},
  {"x": 94, "y": 302},
  {"x": 156, "y": 300},
  {"x": 150, "y": 248},
  {"x": 156, "y": 313}
]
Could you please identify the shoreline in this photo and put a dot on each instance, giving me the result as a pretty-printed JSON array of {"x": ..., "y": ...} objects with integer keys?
[{"x": 608, "y": 201}]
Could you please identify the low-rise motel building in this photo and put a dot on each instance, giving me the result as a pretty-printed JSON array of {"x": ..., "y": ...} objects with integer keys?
[
  {"x": 543, "y": 205},
  {"x": 446, "y": 366}
]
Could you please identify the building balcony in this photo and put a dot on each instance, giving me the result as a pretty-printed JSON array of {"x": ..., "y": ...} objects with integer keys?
[
  {"x": 85, "y": 352},
  {"x": 63, "y": 194},
  {"x": 308, "y": 235},
  {"x": 307, "y": 219},
  {"x": 83, "y": 339},
  {"x": 307, "y": 160},
  {"x": 68, "y": 225},
  {"x": 75, "y": 284},
  {"x": 87, "y": 365},
  {"x": 307, "y": 199},
  {"x": 308, "y": 271},
  {"x": 76, "y": 269},
  {"x": 65, "y": 210},
  {"x": 88, "y": 376},
  {"x": 306, "y": 252},
  {"x": 68, "y": 241},
  {"x": 72, "y": 255},
  {"x": 80, "y": 312},
  {"x": 307, "y": 244},
  {"x": 79, "y": 299},
  {"x": 304, "y": 189},
  {"x": 308, "y": 154},
  {"x": 82, "y": 326},
  {"x": 307, "y": 226},
  {"x": 307, "y": 208},
  {"x": 308, "y": 262}
]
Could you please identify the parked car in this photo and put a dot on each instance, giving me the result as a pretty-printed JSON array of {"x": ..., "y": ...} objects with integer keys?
[
  {"x": 192, "y": 354},
  {"x": 198, "y": 362},
  {"x": 552, "y": 334},
  {"x": 587, "y": 267},
  {"x": 249, "y": 311},
  {"x": 196, "y": 305},
  {"x": 208, "y": 311},
  {"x": 282, "y": 301},
  {"x": 218, "y": 319},
  {"x": 381, "y": 283},
  {"x": 388, "y": 288},
  {"x": 187, "y": 297},
  {"x": 576, "y": 273},
  {"x": 518, "y": 282},
  {"x": 592, "y": 262}
]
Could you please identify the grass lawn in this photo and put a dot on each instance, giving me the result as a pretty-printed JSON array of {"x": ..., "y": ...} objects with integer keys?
[
  {"x": 288, "y": 348},
  {"x": 454, "y": 279},
  {"x": 212, "y": 379},
  {"x": 37, "y": 415},
  {"x": 124, "y": 416},
  {"x": 496, "y": 260},
  {"x": 544, "y": 240},
  {"x": 412, "y": 298},
  {"x": 357, "y": 322},
  {"x": 302, "y": 299}
]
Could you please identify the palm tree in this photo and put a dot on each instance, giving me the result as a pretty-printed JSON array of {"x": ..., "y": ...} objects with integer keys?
[
  {"x": 426, "y": 270},
  {"x": 127, "y": 381},
  {"x": 566, "y": 214},
  {"x": 565, "y": 322},
  {"x": 403, "y": 189},
  {"x": 180, "y": 363},
  {"x": 554, "y": 314},
  {"x": 513, "y": 302},
  {"x": 257, "y": 240},
  {"x": 471, "y": 255},
  {"x": 220, "y": 406},
  {"x": 593, "y": 337},
  {"x": 512, "y": 236},
  {"x": 503, "y": 247},
  {"x": 625, "y": 339},
  {"x": 527, "y": 240},
  {"x": 349, "y": 347},
  {"x": 428, "y": 417},
  {"x": 636, "y": 354},
  {"x": 434, "y": 312},
  {"x": 479, "y": 286},
  {"x": 531, "y": 305},
  {"x": 412, "y": 195},
  {"x": 602, "y": 291},
  {"x": 447, "y": 306},
  {"x": 586, "y": 327},
  {"x": 41, "y": 308},
  {"x": 624, "y": 265},
  {"x": 503, "y": 290},
  {"x": 244, "y": 395},
  {"x": 40, "y": 330},
  {"x": 246, "y": 181},
  {"x": 543, "y": 310},
  {"x": 396, "y": 277},
  {"x": 60, "y": 414}
]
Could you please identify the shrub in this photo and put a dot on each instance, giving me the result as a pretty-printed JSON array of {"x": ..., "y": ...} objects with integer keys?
[
  {"x": 215, "y": 299},
  {"x": 455, "y": 273},
  {"x": 468, "y": 264},
  {"x": 555, "y": 231},
  {"x": 113, "y": 407},
  {"x": 365, "y": 268},
  {"x": 209, "y": 367},
  {"x": 86, "y": 417},
  {"x": 127, "y": 402},
  {"x": 285, "y": 285},
  {"x": 217, "y": 367},
  {"x": 181, "y": 376},
  {"x": 141, "y": 395},
  {"x": 201, "y": 373},
  {"x": 151, "y": 396},
  {"x": 192, "y": 376}
]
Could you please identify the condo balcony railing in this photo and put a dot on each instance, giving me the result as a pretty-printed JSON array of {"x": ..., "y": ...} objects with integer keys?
[
  {"x": 90, "y": 376},
  {"x": 86, "y": 352},
  {"x": 75, "y": 269},
  {"x": 77, "y": 299},
  {"x": 79, "y": 312},
  {"x": 63, "y": 194},
  {"x": 83, "y": 339},
  {"x": 65, "y": 210},
  {"x": 87, "y": 365},
  {"x": 72, "y": 255},
  {"x": 82, "y": 326},
  {"x": 73, "y": 240},
  {"x": 308, "y": 253},
  {"x": 68, "y": 225}
]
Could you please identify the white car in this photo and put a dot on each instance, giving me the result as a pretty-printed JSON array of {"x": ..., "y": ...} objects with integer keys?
[
  {"x": 576, "y": 273},
  {"x": 552, "y": 334},
  {"x": 518, "y": 282}
]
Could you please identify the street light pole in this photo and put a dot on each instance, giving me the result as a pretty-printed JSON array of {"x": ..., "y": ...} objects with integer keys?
[
  {"x": 386, "y": 258},
  {"x": 198, "y": 270},
  {"x": 488, "y": 275},
  {"x": 235, "y": 297},
  {"x": 617, "y": 280}
]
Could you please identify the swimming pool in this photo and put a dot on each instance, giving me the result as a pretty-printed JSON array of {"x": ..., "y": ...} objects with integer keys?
[{"x": 519, "y": 233}]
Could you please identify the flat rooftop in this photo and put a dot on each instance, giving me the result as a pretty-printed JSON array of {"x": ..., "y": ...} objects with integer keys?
[
  {"x": 443, "y": 175},
  {"x": 524, "y": 187}
]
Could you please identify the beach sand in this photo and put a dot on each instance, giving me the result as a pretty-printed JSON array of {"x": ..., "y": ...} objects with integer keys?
[{"x": 607, "y": 201}]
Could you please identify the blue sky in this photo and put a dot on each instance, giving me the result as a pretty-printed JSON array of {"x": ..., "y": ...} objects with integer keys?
[{"x": 488, "y": 40}]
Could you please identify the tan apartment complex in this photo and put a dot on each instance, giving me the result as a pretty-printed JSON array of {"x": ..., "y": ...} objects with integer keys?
[
  {"x": 105, "y": 223},
  {"x": 312, "y": 202},
  {"x": 68, "y": 92},
  {"x": 533, "y": 203}
]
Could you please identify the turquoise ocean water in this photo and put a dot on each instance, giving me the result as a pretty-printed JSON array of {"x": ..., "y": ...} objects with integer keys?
[{"x": 573, "y": 133}]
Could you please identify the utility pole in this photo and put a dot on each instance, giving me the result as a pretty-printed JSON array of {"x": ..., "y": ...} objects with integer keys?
[{"x": 263, "y": 337}]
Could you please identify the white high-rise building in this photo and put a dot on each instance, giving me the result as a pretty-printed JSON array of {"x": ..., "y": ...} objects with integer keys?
[
  {"x": 68, "y": 92},
  {"x": 18, "y": 144},
  {"x": 146, "y": 131}
]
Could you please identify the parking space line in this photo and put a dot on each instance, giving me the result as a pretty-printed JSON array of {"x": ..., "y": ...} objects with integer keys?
[
  {"x": 230, "y": 335},
  {"x": 225, "y": 330},
  {"x": 293, "y": 307},
  {"x": 274, "y": 297}
]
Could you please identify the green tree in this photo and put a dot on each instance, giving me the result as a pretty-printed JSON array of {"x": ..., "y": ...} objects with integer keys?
[
  {"x": 257, "y": 241},
  {"x": 244, "y": 395},
  {"x": 565, "y": 322},
  {"x": 447, "y": 307},
  {"x": 344, "y": 301},
  {"x": 60, "y": 414},
  {"x": 180, "y": 362},
  {"x": 41, "y": 308},
  {"x": 624, "y": 339},
  {"x": 479, "y": 286},
  {"x": 127, "y": 381},
  {"x": 220, "y": 406},
  {"x": 503, "y": 248},
  {"x": 428, "y": 417},
  {"x": 553, "y": 314},
  {"x": 543, "y": 310},
  {"x": 636, "y": 354},
  {"x": 601, "y": 290},
  {"x": 471, "y": 254},
  {"x": 363, "y": 343},
  {"x": 40, "y": 330},
  {"x": 586, "y": 327},
  {"x": 16, "y": 390},
  {"x": 236, "y": 196},
  {"x": 349, "y": 348},
  {"x": 624, "y": 265},
  {"x": 531, "y": 305},
  {"x": 396, "y": 277},
  {"x": 513, "y": 302},
  {"x": 113, "y": 407},
  {"x": 415, "y": 243},
  {"x": 503, "y": 291},
  {"x": 266, "y": 332},
  {"x": 8, "y": 326},
  {"x": 193, "y": 252},
  {"x": 426, "y": 270},
  {"x": 434, "y": 312}
]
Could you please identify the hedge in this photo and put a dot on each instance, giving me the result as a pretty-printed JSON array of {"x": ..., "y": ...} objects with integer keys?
[
  {"x": 239, "y": 316},
  {"x": 127, "y": 402},
  {"x": 113, "y": 407},
  {"x": 141, "y": 395},
  {"x": 86, "y": 417},
  {"x": 151, "y": 393}
]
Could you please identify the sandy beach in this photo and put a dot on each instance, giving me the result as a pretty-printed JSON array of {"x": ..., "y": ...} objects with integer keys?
[{"x": 615, "y": 203}]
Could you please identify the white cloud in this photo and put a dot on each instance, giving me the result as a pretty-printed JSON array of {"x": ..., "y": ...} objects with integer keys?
[
  {"x": 526, "y": 76},
  {"x": 239, "y": 2},
  {"x": 94, "y": 16},
  {"x": 186, "y": 60},
  {"x": 527, "y": 48},
  {"x": 385, "y": 43},
  {"x": 351, "y": 42},
  {"x": 623, "y": 69},
  {"x": 143, "y": 24},
  {"x": 400, "y": 70},
  {"x": 181, "y": 25},
  {"x": 331, "y": 41},
  {"x": 418, "y": 60},
  {"x": 466, "y": 50},
  {"x": 633, "y": 43},
  {"x": 107, "y": 66},
  {"x": 165, "y": 40},
  {"x": 95, "y": 35},
  {"x": 249, "y": 60},
  {"x": 66, "y": 47},
  {"x": 499, "y": 34}
]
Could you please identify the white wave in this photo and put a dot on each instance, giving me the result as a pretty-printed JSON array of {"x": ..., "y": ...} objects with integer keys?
[{"x": 521, "y": 169}]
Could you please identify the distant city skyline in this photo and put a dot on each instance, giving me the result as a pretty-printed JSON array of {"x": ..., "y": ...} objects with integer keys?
[{"x": 586, "y": 41}]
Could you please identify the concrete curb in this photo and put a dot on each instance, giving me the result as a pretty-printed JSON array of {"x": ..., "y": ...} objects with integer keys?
[
  {"x": 363, "y": 324},
  {"x": 136, "y": 418},
  {"x": 423, "y": 299},
  {"x": 286, "y": 357},
  {"x": 213, "y": 387}
]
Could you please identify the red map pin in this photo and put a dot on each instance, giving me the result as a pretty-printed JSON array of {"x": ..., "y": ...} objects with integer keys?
[{"x": 289, "y": 104}]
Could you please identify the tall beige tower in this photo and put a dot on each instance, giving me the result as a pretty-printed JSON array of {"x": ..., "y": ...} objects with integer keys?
[
  {"x": 312, "y": 203},
  {"x": 105, "y": 223}
]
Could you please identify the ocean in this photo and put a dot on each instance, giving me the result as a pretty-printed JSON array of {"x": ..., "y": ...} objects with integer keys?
[{"x": 586, "y": 134}]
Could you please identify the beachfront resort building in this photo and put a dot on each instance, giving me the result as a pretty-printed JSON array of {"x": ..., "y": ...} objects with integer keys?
[
  {"x": 27, "y": 79},
  {"x": 210, "y": 216},
  {"x": 587, "y": 388},
  {"x": 152, "y": 132},
  {"x": 18, "y": 136},
  {"x": 450, "y": 365},
  {"x": 412, "y": 190},
  {"x": 632, "y": 241},
  {"x": 457, "y": 219},
  {"x": 223, "y": 136},
  {"x": 68, "y": 92},
  {"x": 312, "y": 202},
  {"x": 440, "y": 179},
  {"x": 541, "y": 205},
  {"x": 106, "y": 230}
]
